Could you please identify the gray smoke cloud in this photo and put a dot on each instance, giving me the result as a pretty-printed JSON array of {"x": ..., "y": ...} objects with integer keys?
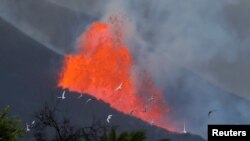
[
  {"x": 193, "y": 34},
  {"x": 198, "y": 50},
  {"x": 91, "y": 8},
  {"x": 183, "y": 43},
  {"x": 54, "y": 26},
  {"x": 210, "y": 37}
]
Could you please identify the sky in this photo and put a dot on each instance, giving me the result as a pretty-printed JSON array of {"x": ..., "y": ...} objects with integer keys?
[{"x": 207, "y": 38}]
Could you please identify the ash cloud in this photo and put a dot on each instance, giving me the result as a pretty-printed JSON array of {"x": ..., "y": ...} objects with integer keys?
[
  {"x": 198, "y": 52},
  {"x": 210, "y": 37},
  {"x": 52, "y": 25}
]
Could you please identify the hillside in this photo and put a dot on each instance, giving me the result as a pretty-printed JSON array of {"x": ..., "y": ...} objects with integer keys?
[{"x": 28, "y": 73}]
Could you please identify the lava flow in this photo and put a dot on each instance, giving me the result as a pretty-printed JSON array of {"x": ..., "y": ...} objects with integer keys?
[{"x": 103, "y": 68}]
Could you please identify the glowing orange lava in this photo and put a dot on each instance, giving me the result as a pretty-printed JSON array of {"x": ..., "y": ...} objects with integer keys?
[{"x": 103, "y": 68}]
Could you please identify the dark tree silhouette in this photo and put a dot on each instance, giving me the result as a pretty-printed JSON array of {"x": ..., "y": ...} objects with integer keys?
[
  {"x": 49, "y": 127},
  {"x": 125, "y": 136},
  {"x": 164, "y": 140}
]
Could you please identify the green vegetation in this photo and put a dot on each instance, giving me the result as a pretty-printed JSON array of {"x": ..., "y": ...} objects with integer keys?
[
  {"x": 10, "y": 127},
  {"x": 125, "y": 136},
  {"x": 61, "y": 129}
]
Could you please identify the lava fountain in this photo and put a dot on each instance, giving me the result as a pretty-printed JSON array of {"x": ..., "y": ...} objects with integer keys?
[{"x": 103, "y": 68}]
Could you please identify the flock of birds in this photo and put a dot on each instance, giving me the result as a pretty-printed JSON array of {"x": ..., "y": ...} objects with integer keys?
[
  {"x": 90, "y": 99},
  {"x": 119, "y": 88},
  {"x": 29, "y": 126}
]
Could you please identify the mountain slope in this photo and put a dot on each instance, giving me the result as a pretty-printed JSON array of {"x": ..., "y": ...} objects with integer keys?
[{"x": 28, "y": 73}]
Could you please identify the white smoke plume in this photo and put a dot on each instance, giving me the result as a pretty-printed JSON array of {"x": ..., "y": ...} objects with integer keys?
[{"x": 175, "y": 38}]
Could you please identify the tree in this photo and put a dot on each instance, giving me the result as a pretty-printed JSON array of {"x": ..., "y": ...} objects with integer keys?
[
  {"x": 164, "y": 140},
  {"x": 10, "y": 127},
  {"x": 47, "y": 118},
  {"x": 60, "y": 129},
  {"x": 50, "y": 125},
  {"x": 125, "y": 136}
]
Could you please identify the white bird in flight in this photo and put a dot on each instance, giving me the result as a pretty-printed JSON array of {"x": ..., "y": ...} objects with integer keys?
[
  {"x": 88, "y": 100},
  {"x": 119, "y": 87},
  {"x": 27, "y": 128},
  {"x": 108, "y": 118},
  {"x": 63, "y": 95},
  {"x": 33, "y": 122},
  {"x": 80, "y": 96}
]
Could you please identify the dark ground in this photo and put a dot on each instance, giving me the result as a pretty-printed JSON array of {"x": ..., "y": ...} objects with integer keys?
[{"x": 28, "y": 74}]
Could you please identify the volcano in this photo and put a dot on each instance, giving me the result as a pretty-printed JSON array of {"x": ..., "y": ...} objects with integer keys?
[
  {"x": 34, "y": 78},
  {"x": 103, "y": 68},
  {"x": 29, "y": 72}
]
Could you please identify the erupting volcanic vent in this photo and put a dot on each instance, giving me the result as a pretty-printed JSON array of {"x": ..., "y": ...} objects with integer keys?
[{"x": 103, "y": 68}]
